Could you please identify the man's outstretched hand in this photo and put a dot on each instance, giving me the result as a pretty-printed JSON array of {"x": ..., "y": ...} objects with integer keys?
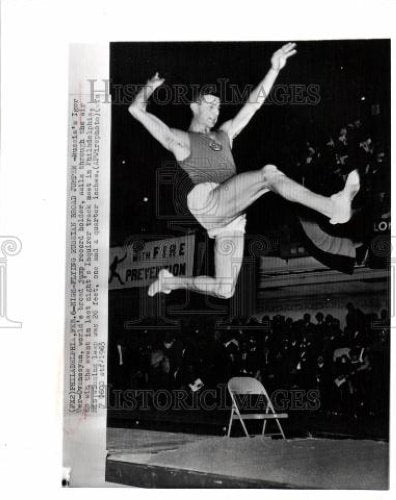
[
  {"x": 140, "y": 102},
  {"x": 155, "y": 81},
  {"x": 279, "y": 58}
]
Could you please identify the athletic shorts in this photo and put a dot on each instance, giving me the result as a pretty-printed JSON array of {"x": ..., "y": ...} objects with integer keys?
[{"x": 204, "y": 206}]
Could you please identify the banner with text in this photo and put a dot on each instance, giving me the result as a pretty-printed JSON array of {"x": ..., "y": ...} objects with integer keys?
[{"x": 138, "y": 264}]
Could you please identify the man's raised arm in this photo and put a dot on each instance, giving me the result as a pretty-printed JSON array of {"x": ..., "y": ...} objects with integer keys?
[
  {"x": 165, "y": 135},
  {"x": 260, "y": 93}
]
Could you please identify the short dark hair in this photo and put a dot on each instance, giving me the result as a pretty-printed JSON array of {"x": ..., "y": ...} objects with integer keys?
[{"x": 199, "y": 95}]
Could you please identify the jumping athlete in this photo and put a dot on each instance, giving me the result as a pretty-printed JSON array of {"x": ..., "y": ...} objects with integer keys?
[{"x": 220, "y": 196}]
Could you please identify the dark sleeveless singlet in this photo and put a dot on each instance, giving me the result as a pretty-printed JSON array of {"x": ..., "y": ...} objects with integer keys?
[{"x": 210, "y": 160}]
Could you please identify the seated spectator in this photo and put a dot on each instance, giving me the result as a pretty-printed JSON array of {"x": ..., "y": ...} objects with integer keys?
[
  {"x": 320, "y": 324},
  {"x": 307, "y": 327},
  {"x": 159, "y": 373},
  {"x": 246, "y": 362},
  {"x": 341, "y": 372},
  {"x": 220, "y": 360},
  {"x": 323, "y": 382},
  {"x": 190, "y": 377},
  {"x": 339, "y": 352},
  {"x": 354, "y": 318},
  {"x": 359, "y": 380},
  {"x": 172, "y": 349}
]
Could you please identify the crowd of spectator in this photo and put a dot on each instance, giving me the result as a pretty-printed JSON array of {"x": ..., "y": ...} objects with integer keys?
[
  {"x": 326, "y": 163},
  {"x": 349, "y": 366}
]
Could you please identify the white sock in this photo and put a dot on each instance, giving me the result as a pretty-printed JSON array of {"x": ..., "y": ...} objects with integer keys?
[
  {"x": 343, "y": 199},
  {"x": 158, "y": 286}
]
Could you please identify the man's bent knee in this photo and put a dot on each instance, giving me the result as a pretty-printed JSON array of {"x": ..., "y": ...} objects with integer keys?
[
  {"x": 225, "y": 291},
  {"x": 271, "y": 175}
]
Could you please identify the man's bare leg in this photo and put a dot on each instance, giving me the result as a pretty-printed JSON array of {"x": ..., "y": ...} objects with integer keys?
[
  {"x": 234, "y": 196},
  {"x": 337, "y": 207},
  {"x": 228, "y": 254}
]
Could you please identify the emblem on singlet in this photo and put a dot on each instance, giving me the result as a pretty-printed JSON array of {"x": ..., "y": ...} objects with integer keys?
[{"x": 216, "y": 146}]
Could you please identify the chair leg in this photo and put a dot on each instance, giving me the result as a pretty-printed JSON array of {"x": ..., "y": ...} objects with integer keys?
[
  {"x": 242, "y": 422},
  {"x": 235, "y": 409},
  {"x": 280, "y": 428},
  {"x": 244, "y": 426},
  {"x": 230, "y": 423},
  {"x": 265, "y": 420}
]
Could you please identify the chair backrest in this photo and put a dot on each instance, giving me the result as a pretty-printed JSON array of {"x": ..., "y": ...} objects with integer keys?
[{"x": 245, "y": 385}]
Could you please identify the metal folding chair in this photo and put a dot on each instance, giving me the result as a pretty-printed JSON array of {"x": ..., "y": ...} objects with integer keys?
[{"x": 245, "y": 386}]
